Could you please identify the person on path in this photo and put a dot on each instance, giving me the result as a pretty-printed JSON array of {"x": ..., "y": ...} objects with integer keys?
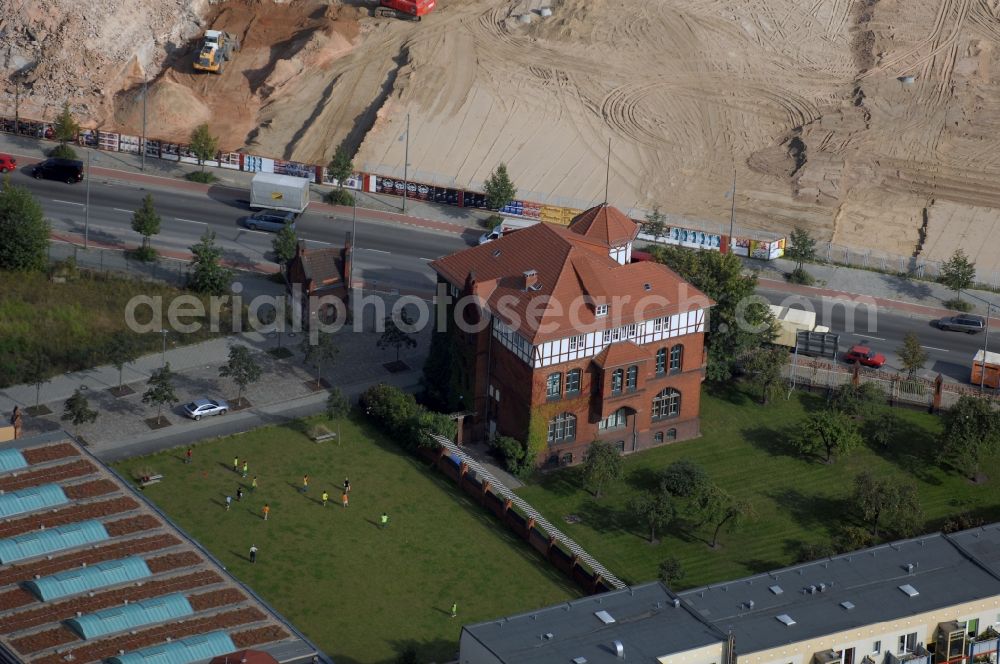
[
  {"x": 325, "y": 497},
  {"x": 384, "y": 521},
  {"x": 246, "y": 467},
  {"x": 16, "y": 420},
  {"x": 347, "y": 485},
  {"x": 266, "y": 510},
  {"x": 253, "y": 553},
  {"x": 229, "y": 502},
  {"x": 343, "y": 499},
  {"x": 236, "y": 464},
  {"x": 305, "y": 483},
  {"x": 187, "y": 455},
  {"x": 239, "y": 493},
  {"x": 454, "y": 609},
  {"x": 253, "y": 484}
]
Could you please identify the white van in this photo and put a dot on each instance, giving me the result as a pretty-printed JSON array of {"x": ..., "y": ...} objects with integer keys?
[{"x": 506, "y": 226}]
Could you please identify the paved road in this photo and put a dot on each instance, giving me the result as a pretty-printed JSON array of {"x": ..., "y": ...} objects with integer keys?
[
  {"x": 390, "y": 254},
  {"x": 950, "y": 353}
]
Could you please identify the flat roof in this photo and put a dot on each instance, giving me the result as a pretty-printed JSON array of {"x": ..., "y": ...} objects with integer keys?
[
  {"x": 176, "y": 569},
  {"x": 844, "y": 592},
  {"x": 643, "y": 618}
]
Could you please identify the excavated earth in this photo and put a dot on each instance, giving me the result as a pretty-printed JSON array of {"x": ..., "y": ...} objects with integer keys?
[{"x": 870, "y": 122}]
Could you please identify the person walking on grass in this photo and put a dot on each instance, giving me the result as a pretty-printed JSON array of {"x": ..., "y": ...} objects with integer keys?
[
  {"x": 253, "y": 553},
  {"x": 347, "y": 485},
  {"x": 246, "y": 467},
  {"x": 229, "y": 502},
  {"x": 266, "y": 511},
  {"x": 187, "y": 455},
  {"x": 239, "y": 494},
  {"x": 343, "y": 499},
  {"x": 236, "y": 464},
  {"x": 305, "y": 483},
  {"x": 326, "y": 497},
  {"x": 454, "y": 609},
  {"x": 384, "y": 521},
  {"x": 253, "y": 484}
]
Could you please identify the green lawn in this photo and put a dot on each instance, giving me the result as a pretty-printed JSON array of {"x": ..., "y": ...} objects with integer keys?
[
  {"x": 362, "y": 594},
  {"x": 743, "y": 450}
]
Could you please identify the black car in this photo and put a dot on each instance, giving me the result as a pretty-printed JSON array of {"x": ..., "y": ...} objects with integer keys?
[
  {"x": 963, "y": 323},
  {"x": 64, "y": 170}
]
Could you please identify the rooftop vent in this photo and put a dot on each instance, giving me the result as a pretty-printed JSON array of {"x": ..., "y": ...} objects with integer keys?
[
  {"x": 909, "y": 590},
  {"x": 811, "y": 590},
  {"x": 619, "y": 648},
  {"x": 677, "y": 603},
  {"x": 847, "y": 605},
  {"x": 647, "y": 287},
  {"x": 909, "y": 567},
  {"x": 579, "y": 660},
  {"x": 822, "y": 587},
  {"x": 548, "y": 636},
  {"x": 531, "y": 280},
  {"x": 496, "y": 253},
  {"x": 785, "y": 619},
  {"x": 749, "y": 605},
  {"x": 776, "y": 590},
  {"x": 604, "y": 617}
]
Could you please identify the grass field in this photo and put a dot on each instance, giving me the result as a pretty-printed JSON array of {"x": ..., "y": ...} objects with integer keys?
[
  {"x": 743, "y": 450},
  {"x": 71, "y": 322},
  {"x": 362, "y": 594}
]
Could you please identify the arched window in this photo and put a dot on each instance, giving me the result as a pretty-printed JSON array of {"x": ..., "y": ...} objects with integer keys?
[
  {"x": 676, "y": 356},
  {"x": 617, "y": 378},
  {"x": 615, "y": 420},
  {"x": 631, "y": 378},
  {"x": 661, "y": 361},
  {"x": 562, "y": 428},
  {"x": 553, "y": 386},
  {"x": 573, "y": 381},
  {"x": 667, "y": 404}
]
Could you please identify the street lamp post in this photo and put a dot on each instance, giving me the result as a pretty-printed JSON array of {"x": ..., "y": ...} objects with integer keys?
[
  {"x": 986, "y": 346},
  {"x": 354, "y": 243},
  {"x": 406, "y": 163},
  {"x": 86, "y": 208},
  {"x": 163, "y": 355},
  {"x": 142, "y": 142}
]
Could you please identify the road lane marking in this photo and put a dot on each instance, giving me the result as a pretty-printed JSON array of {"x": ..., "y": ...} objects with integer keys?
[
  {"x": 191, "y": 221},
  {"x": 123, "y": 210},
  {"x": 943, "y": 350},
  {"x": 427, "y": 259},
  {"x": 250, "y": 230},
  {"x": 377, "y": 251},
  {"x": 865, "y": 336},
  {"x": 56, "y": 200},
  {"x": 317, "y": 241}
]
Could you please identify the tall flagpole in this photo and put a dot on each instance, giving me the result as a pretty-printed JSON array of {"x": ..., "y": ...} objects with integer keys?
[{"x": 607, "y": 174}]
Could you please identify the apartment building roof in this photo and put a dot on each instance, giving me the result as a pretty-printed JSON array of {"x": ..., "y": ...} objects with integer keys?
[
  {"x": 982, "y": 544},
  {"x": 90, "y": 571},
  {"x": 642, "y": 618},
  {"x": 843, "y": 592},
  {"x": 572, "y": 271}
]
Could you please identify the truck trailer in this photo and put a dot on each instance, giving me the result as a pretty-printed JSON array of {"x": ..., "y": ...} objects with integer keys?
[
  {"x": 986, "y": 369},
  {"x": 789, "y": 322},
  {"x": 269, "y": 191}
]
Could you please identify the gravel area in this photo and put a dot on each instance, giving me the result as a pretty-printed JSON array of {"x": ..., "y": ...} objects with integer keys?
[
  {"x": 133, "y": 525},
  {"x": 216, "y": 598},
  {"x": 49, "y": 453},
  {"x": 90, "y": 489},
  {"x": 47, "y": 475},
  {"x": 252, "y": 637},
  {"x": 173, "y": 561},
  {"x": 72, "y": 514}
]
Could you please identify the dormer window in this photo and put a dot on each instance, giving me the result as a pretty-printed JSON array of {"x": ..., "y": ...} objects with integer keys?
[{"x": 601, "y": 310}]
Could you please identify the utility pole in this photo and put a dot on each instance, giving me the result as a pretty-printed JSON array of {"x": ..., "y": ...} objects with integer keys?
[
  {"x": 732, "y": 212},
  {"x": 406, "y": 163},
  {"x": 986, "y": 347},
  {"x": 17, "y": 105},
  {"x": 163, "y": 355},
  {"x": 86, "y": 208},
  {"x": 142, "y": 143},
  {"x": 354, "y": 243}
]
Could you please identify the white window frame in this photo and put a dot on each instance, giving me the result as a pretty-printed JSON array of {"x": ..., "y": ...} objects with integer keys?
[{"x": 601, "y": 310}]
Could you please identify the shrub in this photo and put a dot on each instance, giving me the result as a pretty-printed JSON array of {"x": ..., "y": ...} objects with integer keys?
[
  {"x": 339, "y": 197},
  {"x": 515, "y": 456},
  {"x": 958, "y": 305},
  {"x": 203, "y": 177},
  {"x": 144, "y": 254},
  {"x": 62, "y": 151},
  {"x": 800, "y": 276},
  {"x": 493, "y": 221},
  {"x": 399, "y": 415}
]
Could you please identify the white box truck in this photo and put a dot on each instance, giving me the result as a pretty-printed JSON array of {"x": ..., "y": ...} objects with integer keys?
[
  {"x": 792, "y": 321},
  {"x": 269, "y": 191}
]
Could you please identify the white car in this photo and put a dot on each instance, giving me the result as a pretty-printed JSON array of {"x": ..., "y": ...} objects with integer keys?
[{"x": 200, "y": 408}]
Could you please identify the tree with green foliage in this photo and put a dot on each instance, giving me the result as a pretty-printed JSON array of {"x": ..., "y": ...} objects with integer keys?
[
  {"x": 340, "y": 167},
  {"x": 763, "y": 367},
  {"x": 284, "y": 245},
  {"x": 971, "y": 433},
  {"x": 146, "y": 222},
  {"x": 653, "y": 509},
  {"x": 397, "y": 335},
  {"x": 740, "y": 321},
  {"x": 883, "y": 500},
  {"x": 958, "y": 272},
  {"x": 864, "y": 401},
  {"x": 656, "y": 223},
  {"x": 912, "y": 355},
  {"x": 25, "y": 233},
  {"x": 242, "y": 368},
  {"x": 319, "y": 354},
  {"x": 724, "y": 511},
  {"x": 35, "y": 371},
  {"x": 801, "y": 247},
  {"x": 337, "y": 405},
  {"x": 498, "y": 188},
  {"x": 828, "y": 433},
  {"x": 208, "y": 275},
  {"x": 203, "y": 144},
  {"x": 65, "y": 128},
  {"x": 161, "y": 390},
  {"x": 76, "y": 410},
  {"x": 602, "y": 465},
  {"x": 852, "y": 538},
  {"x": 684, "y": 479},
  {"x": 122, "y": 349},
  {"x": 669, "y": 571}
]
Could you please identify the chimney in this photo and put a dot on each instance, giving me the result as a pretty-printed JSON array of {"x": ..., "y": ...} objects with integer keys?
[
  {"x": 530, "y": 279},
  {"x": 348, "y": 259}
]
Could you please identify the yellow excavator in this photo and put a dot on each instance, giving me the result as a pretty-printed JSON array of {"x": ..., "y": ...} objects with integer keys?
[{"x": 217, "y": 47}]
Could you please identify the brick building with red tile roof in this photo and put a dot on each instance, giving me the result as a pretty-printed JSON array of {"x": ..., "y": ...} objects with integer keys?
[{"x": 566, "y": 341}]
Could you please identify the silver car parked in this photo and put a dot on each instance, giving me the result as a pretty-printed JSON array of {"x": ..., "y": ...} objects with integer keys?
[
  {"x": 200, "y": 408},
  {"x": 963, "y": 323}
]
